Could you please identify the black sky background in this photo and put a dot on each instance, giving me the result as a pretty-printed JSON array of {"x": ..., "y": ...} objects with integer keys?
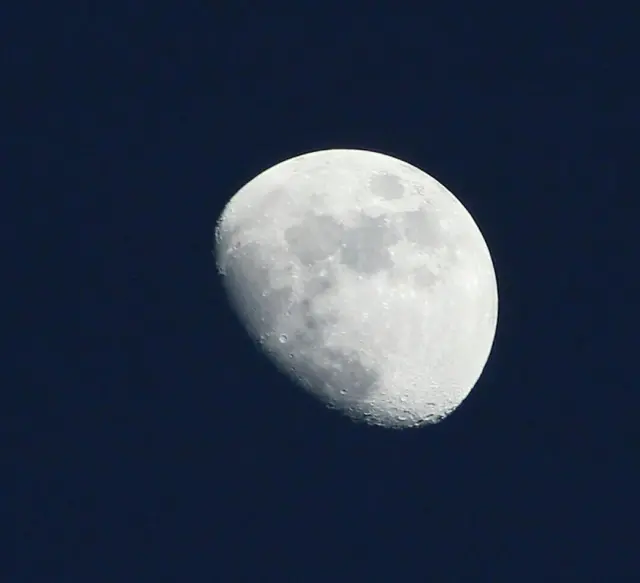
[{"x": 147, "y": 440}]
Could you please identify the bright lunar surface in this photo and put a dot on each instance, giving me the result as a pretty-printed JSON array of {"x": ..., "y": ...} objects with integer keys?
[{"x": 363, "y": 279}]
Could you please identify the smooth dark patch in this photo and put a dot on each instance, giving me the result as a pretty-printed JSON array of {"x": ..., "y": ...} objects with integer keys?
[
  {"x": 386, "y": 185},
  {"x": 366, "y": 247},
  {"x": 316, "y": 238}
]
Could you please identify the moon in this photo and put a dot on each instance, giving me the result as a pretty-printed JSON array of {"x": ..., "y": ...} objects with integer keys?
[{"x": 364, "y": 280}]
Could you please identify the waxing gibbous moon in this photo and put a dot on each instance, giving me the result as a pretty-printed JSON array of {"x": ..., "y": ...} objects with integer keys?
[{"x": 365, "y": 280}]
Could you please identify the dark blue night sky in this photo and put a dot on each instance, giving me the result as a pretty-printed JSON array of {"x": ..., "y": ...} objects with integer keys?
[{"x": 149, "y": 441}]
